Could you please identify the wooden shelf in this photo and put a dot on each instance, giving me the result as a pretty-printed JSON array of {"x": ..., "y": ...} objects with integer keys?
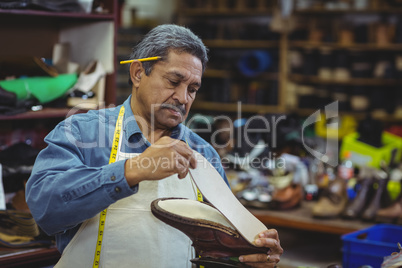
[
  {"x": 49, "y": 14},
  {"x": 326, "y": 12},
  {"x": 355, "y": 46},
  {"x": 297, "y": 78},
  {"x": 234, "y": 107},
  {"x": 224, "y": 12},
  {"x": 300, "y": 218},
  {"x": 358, "y": 115},
  {"x": 43, "y": 114},
  {"x": 220, "y": 43},
  {"x": 29, "y": 257},
  {"x": 217, "y": 73}
]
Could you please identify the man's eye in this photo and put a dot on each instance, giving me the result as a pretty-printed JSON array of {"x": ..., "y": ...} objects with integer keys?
[
  {"x": 174, "y": 83},
  {"x": 192, "y": 90}
]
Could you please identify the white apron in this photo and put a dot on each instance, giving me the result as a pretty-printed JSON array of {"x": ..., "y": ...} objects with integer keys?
[{"x": 133, "y": 237}]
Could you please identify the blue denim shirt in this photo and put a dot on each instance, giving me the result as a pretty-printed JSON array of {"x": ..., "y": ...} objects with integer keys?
[{"x": 72, "y": 181}]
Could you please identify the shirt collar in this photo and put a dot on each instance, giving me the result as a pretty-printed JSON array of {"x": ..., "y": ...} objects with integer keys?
[{"x": 131, "y": 127}]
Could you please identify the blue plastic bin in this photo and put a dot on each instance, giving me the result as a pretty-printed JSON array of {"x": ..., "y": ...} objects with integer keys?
[{"x": 369, "y": 246}]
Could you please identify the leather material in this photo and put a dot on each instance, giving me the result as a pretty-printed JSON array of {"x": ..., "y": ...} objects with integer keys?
[
  {"x": 375, "y": 204},
  {"x": 358, "y": 204},
  {"x": 392, "y": 213},
  {"x": 210, "y": 238},
  {"x": 25, "y": 66},
  {"x": 287, "y": 198},
  {"x": 216, "y": 263},
  {"x": 332, "y": 201},
  {"x": 7, "y": 98}
]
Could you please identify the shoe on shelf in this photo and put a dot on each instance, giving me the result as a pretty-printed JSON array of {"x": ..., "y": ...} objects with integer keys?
[
  {"x": 89, "y": 77},
  {"x": 89, "y": 91},
  {"x": 393, "y": 212},
  {"x": 332, "y": 200},
  {"x": 356, "y": 207},
  {"x": 390, "y": 214},
  {"x": 287, "y": 198},
  {"x": 380, "y": 186}
]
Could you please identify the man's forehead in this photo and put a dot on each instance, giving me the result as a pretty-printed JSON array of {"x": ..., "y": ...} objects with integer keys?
[{"x": 183, "y": 76}]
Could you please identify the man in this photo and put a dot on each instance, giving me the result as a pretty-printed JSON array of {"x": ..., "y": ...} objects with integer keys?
[{"x": 72, "y": 182}]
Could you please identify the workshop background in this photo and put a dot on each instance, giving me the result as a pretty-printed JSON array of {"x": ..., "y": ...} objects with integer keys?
[{"x": 302, "y": 98}]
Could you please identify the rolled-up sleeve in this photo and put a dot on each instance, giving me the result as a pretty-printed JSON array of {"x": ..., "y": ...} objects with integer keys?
[{"x": 63, "y": 190}]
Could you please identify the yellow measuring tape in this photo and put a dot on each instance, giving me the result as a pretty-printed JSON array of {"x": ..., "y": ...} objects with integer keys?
[{"x": 112, "y": 159}]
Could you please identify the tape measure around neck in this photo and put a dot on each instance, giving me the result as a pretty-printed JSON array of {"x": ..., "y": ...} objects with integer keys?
[{"x": 112, "y": 159}]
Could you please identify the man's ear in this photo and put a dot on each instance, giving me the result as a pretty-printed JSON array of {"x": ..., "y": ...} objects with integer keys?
[{"x": 136, "y": 72}]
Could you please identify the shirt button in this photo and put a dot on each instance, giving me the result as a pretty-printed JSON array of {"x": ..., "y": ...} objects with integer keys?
[
  {"x": 113, "y": 178},
  {"x": 117, "y": 189}
]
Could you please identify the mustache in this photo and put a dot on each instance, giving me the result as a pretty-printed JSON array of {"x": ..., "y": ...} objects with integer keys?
[{"x": 177, "y": 107}]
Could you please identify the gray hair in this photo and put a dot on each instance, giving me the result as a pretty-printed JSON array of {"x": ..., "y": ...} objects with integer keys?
[{"x": 169, "y": 37}]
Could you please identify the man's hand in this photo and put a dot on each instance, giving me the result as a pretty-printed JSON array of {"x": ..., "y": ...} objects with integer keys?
[
  {"x": 164, "y": 158},
  {"x": 268, "y": 238}
]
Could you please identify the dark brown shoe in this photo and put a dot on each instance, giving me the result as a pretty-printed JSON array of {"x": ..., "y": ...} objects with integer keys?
[
  {"x": 287, "y": 198},
  {"x": 212, "y": 235}
]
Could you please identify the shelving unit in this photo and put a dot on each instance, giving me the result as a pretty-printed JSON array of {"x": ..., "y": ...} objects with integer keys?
[
  {"x": 374, "y": 50},
  {"x": 348, "y": 82},
  {"x": 35, "y": 32},
  {"x": 224, "y": 76},
  {"x": 299, "y": 218}
]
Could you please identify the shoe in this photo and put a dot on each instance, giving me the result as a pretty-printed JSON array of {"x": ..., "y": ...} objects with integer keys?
[
  {"x": 346, "y": 37},
  {"x": 391, "y": 214},
  {"x": 89, "y": 77},
  {"x": 91, "y": 82},
  {"x": 7, "y": 98},
  {"x": 332, "y": 200},
  {"x": 382, "y": 36},
  {"x": 365, "y": 181},
  {"x": 342, "y": 71},
  {"x": 359, "y": 101},
  {"x": 287, "y": 198},
  {"x": 18, "y": 223},
  {"x": 212, "y": 235},
  {"x": 326, "y": 64},
  {"x": 25, "y": 66},
  {"x": 380, "y": 189}
]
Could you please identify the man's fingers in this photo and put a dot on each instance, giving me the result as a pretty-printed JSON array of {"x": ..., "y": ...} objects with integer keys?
[
  {"x": 185, "y": 150},
  {"x": 181, "y": 166},
  {"x": 193, "y": 161}
]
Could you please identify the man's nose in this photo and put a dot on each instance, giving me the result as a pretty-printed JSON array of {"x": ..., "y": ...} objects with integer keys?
[{"x": 181, "y": 95}]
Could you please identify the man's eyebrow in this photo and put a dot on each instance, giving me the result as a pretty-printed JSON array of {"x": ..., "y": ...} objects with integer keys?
[{"x": 181, "y": 76}]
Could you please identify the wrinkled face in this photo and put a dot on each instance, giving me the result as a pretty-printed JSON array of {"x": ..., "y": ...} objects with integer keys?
[{"x": 165, "y": 96}]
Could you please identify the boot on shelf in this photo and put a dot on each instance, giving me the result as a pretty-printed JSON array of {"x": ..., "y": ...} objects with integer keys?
[
  {"x": 332, "y": 200},
  {"x": 393, "y": 212},
  {"x": 358, "y": 204},
  {"x": 380, "y": 188}
]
